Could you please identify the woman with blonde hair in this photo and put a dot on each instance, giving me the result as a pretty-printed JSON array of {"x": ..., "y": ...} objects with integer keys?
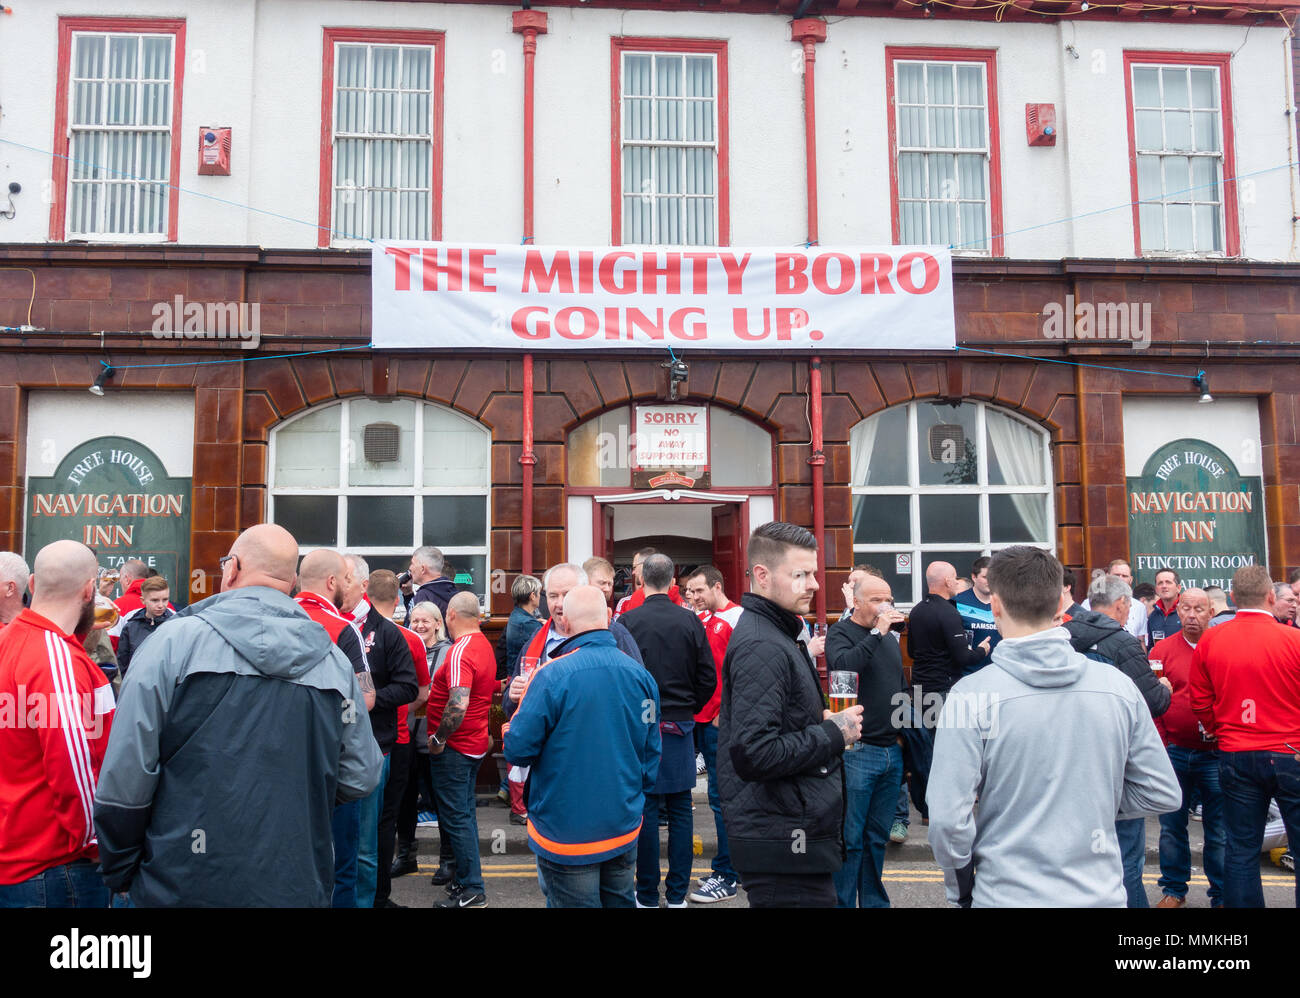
[{"x": 425, "y": 619}]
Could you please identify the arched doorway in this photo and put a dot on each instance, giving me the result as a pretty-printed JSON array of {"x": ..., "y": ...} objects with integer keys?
[{"x": 690, "y": 480}]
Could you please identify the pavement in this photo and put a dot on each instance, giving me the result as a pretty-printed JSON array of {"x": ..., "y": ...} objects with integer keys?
[
  {"x": 911, "y": 877},
  {"x": 498, "y": 837}
]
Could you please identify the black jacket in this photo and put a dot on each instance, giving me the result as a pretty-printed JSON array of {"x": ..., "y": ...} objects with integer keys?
[
  {"x": 676, "y": 653},
  {"x": 780, "y": 775},
  {"x": 936, "y": 640},
  {"x": 1094, "y": 632},
  {"x": 138, "y": 626},
  {"x": 878, "y": 661},
  {"x": 393, "y": 671},
  {"x": 437, "y": 591}
]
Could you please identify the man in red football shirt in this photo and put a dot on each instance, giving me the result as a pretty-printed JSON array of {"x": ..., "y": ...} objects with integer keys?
[
  {"x": 1245, "y": 691},
  {"x": 705, "y": 595},
  {"x": 1194, "y": 759},
  {"x": 459, "y": 700},
  {"x": 56, "y": 710}
]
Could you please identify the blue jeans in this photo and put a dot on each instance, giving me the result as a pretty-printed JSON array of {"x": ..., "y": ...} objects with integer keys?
[
  {"x": 707, "y": 739},
  {"x": 871, "y": 775},
  {"x": 453, "y": 785},
  {"x": 903, "y": 814},
  {"x": 368, "y": 841},
  {"x": 1132, "y": 835},
  {"x": 69, "y": 885},
  {"x": 597, "y": 885},
  {"x": 345, "y": 826},
  {"x": 681, "y": 840},
  {"x": 1198, "y": 773},
  {"x": 1248, "y": 780}
]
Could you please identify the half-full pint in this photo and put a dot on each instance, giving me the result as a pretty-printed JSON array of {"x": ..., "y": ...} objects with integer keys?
[{"x": 839, "y": 703}]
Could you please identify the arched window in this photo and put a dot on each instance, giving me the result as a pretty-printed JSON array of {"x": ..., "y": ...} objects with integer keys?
[
  {"x": 937, "y": 482},
  {"x": 381, "y": 477}
]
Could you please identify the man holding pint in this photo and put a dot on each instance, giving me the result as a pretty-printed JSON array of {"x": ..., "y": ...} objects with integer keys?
[{"x": 873, "y": 768}]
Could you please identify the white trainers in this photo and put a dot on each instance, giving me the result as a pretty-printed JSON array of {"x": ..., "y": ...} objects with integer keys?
[
  {"x": 712, "y": 890},
  {"x": 700, "y": 768}
]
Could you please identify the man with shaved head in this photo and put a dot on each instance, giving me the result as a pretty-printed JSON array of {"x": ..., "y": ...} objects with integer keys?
[
  {"x": 239, "y": 729},
  {"x": 56, "y": 709},
  {"x": 588, "y": 725},
  {"x": 936, "y": 640},
  {"x": 324, "y": 580},
  {"x": 459, "y": 702},
  {"x": 1194, "y": 759}
]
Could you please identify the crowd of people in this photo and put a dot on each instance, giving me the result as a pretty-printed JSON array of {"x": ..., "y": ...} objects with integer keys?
[{"x": 275, "y": 744}]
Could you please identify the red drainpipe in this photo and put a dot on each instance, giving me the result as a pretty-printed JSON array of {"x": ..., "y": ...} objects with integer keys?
[
  {"x": 530, "y": 24},
  {"x": 810, "y": 31}
]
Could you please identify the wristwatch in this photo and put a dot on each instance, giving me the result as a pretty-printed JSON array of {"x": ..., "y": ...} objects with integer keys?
[{"x": 436, "y": 741}]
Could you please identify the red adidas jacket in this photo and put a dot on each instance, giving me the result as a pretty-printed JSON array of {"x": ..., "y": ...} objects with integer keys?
[{"x": 56, "y": 710}]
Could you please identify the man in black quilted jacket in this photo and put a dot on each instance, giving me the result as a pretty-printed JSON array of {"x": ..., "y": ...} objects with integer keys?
[{"x": 779, "y": 749}]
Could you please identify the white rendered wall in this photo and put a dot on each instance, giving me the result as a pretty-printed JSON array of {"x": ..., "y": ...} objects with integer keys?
[{"x": 256, "y": 65}]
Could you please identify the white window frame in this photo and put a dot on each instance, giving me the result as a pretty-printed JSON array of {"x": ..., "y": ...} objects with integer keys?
[
  {"x": 363, "y": 190},
  {"x": 1189, "y": 196},
  {"x": 981, "y": 488},
  {"x": 417, "y": 491},
  {"x": 654, "y": 144},
  {"x": 959, "y": 244},
  {"x": 117, "y": 177}
]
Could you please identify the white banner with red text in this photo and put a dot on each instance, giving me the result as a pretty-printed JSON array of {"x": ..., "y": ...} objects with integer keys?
[{"x": 471, "y": 296}]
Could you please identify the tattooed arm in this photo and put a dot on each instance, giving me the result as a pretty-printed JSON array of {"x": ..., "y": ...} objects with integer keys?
[{"x": 452, "y": 716}]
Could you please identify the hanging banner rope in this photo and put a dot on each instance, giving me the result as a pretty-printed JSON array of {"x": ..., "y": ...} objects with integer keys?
[{"x": 459, "y": 296}]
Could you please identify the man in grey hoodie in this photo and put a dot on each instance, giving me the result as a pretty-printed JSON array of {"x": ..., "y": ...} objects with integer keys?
[
  {"x": 240, "y": 725},
  {"x": 1054, "y": 746}
]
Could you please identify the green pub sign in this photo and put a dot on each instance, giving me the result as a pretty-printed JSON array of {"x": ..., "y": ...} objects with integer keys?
[
  {"x": 114, "y": 495},
  {"x": 1191, "y": 511}
]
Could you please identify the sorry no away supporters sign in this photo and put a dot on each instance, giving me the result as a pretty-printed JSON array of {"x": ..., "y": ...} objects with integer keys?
[{"x": 462, "y": 296}]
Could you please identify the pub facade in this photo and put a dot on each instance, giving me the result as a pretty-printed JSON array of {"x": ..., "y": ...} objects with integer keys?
[{"x": 1124, "y": 293}]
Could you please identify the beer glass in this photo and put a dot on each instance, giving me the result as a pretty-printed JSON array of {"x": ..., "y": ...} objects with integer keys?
[
  {"x": 105, "y": 612},
  {"x": 1158, "y": 667},
  {"x": 843, "y": 691}
]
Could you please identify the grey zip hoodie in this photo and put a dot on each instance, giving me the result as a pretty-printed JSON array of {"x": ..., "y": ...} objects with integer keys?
[{"x": 1055, "y": 746}]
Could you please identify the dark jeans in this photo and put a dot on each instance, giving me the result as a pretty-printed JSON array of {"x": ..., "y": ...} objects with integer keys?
[
  {"x": 1198, "y": 773},
  {"x": 681, "y": 840},
  {"x": 69, "y": 885},
  {"x": 597, "y": 885},
  {"x": 368, "y": 840},
  {"x": 706, "y": 736},
  {"x": 789, "y": 890},
  {"x": 1248, "y": 780},
  {"x": 903, "y": 813},
  {"x": 394, "y": 790},
  {"x": 871, "y": 775},
  {"x": 1132, "y": 835},
  {"x": 453, "y": 783},
  {"x": 345, "y": 827}
]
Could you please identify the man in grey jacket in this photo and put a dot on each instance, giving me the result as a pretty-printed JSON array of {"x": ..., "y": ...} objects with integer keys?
[
  {"x": 239, "y": 726},
  {"x": 1054, "y": 745}
]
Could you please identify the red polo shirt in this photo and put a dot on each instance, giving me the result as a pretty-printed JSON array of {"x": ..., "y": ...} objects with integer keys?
[
  {"x": 1245, "y": 683},
  {"x": 718, "y": 626},
  {"x": 1178, "y": 725}
]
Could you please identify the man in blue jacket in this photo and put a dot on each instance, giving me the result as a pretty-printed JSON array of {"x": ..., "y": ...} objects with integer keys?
[{"x": 588, "y": 725}]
